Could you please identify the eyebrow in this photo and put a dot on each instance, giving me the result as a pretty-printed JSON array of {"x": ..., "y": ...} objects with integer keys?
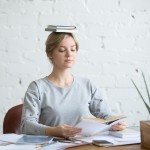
[{"x": 65, "y": 46}]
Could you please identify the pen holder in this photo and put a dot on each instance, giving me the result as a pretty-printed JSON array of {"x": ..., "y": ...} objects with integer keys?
[{"x": 145, "y": 133}]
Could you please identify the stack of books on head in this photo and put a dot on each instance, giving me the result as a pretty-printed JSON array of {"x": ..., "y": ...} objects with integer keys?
[{"x": 60, "y": 28}]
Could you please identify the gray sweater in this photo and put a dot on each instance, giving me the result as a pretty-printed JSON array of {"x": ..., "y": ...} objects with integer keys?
[{"x": 48, "y": 105}]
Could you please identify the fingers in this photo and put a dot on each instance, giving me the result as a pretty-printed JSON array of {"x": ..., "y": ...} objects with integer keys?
[
  {"x": 119, "y": 126},
  {"x": 70, "y": 131}
]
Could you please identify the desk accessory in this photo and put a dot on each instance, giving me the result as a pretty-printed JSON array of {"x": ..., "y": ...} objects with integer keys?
[{"x": 102, "y": 143}]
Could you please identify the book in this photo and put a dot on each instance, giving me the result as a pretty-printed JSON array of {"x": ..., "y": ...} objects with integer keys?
[
  {"x": 126, "y": 133},
  {"x": 34, "y": 139},
  {"x": 62, "y": 30},
  {"x": 92, "y": 126},
  {"x": 59, "y": 28}
]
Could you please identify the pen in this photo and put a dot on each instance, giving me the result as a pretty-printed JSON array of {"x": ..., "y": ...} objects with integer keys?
[
  {"x": 75, "y": 141},
  {"x": 45, "y": 144}
]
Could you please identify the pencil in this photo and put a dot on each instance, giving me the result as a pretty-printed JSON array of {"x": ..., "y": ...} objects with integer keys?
[{"x": 45, "y": 144}]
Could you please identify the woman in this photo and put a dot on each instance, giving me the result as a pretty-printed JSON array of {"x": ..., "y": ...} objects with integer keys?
[{"x": 55, "y": 103}]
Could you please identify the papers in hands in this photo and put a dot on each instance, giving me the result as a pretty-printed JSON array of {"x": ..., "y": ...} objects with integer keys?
[{"x": 92, "y": 126}]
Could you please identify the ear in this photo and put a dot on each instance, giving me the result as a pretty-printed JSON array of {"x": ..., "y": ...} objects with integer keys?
[{"x": 50, "y": 56}]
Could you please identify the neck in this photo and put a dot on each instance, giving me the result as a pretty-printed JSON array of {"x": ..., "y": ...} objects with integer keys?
[{"x": 61, "y": 78}]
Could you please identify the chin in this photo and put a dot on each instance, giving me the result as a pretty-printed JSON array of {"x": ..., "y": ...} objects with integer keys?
[{"x": 69, "y": 66}]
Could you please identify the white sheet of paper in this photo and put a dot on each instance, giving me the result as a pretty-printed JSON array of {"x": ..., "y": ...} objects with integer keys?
[
  {"x": 18, "y": 147},
  {"x": 10, "y": 137},
  {"x": 91, "y": 127},
  {"x": 112, "y": 139},
  {"x": 60, "y": 146}
]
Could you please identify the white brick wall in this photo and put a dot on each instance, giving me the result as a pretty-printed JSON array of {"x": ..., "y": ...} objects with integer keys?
[{"x": 114, "y": 37}]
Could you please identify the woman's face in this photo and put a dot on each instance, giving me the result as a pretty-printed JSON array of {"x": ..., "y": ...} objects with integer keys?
[{"x": 64, "y": 55}]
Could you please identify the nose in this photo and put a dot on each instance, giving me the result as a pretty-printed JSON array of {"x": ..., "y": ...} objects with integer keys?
[{"x": 68, "y": 53}]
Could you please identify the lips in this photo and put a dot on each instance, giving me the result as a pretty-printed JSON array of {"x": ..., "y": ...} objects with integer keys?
[{"x": 68, "y": 60}]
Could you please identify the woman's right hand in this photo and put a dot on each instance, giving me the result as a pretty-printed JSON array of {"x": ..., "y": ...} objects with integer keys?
[{"x": 62, "y": 131}]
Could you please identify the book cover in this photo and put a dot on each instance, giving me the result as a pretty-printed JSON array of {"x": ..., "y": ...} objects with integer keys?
[
  {"x": 127, "y": 133},
  {"x": 34, "y": 139},
  {"x": 108, "y": 120},
  {"x": 60, "y": 28},
  {"x": 92, "y": 126}
]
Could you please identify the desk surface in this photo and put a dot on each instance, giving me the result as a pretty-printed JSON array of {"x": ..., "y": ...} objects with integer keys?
[{"x": 92, "y": 147}]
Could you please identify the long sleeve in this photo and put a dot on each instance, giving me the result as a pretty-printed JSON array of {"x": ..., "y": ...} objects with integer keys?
[
  {"x": 99, "y": 106},
  {"x": 31, "y": 112},
  {"x": 48, "y": 105}
]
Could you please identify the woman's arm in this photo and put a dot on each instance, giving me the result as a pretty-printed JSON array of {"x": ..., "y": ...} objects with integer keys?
[
  {"x": 31, "y": 112},
  {"x": 100, "y": 109},
  {"x": 62, "y": 131},
  {"x": 99, "y": 106}
]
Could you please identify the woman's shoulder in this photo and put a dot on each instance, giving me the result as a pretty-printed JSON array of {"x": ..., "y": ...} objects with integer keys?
[
  {"x": 85, "y": 81},
  {"x": 42, "y": 82},
  {"x": 80, "y": 78}
]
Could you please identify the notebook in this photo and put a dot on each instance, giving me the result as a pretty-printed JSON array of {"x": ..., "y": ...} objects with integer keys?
[{"x": 34, "y": 139}]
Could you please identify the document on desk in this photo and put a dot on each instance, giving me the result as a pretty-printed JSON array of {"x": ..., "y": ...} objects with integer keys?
[
  {"x": 34, "y": 139},
  {"x": 114, "y": 140},
  {"x": 85, "y": 140},
  {"x": 11, "y": 138},
  {"x": 126, "y": 133},
  {"x": 62, "y": 146},
  {"x": 56, "y": 146},
  {"x": 25, "y": 139},
  {"x": 17, "y": 147}
]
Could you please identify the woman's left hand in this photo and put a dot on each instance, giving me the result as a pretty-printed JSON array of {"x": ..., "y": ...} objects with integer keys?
[{"x": 119, "y": 126}]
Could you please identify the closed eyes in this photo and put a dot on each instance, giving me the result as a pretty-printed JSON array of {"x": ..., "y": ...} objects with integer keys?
[{"x": 63, "y": 50}]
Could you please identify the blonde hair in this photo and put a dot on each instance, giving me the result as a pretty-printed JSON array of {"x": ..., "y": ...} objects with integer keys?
[{"x": 54, "y": 40}]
